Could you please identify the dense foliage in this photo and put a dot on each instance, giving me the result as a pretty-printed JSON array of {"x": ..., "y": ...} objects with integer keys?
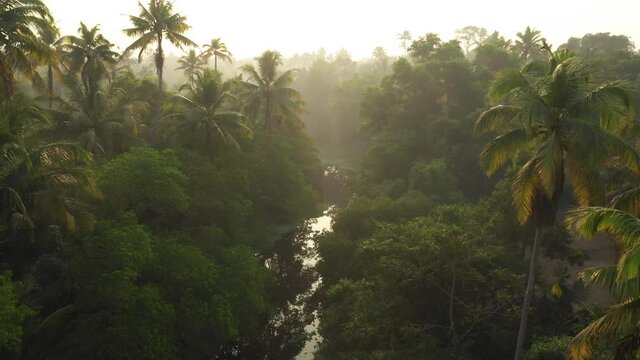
[
  {"x": 129, "y": 233},
  {"x": 140, "y": 220},
  {"x": 428, "y": 260}
]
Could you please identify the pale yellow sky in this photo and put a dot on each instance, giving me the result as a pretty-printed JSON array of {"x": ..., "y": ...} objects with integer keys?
[{"x": 249, "y": 27}]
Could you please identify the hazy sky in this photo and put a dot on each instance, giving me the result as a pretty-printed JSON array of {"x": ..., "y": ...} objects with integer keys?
[{"x": 249, "y": 27}]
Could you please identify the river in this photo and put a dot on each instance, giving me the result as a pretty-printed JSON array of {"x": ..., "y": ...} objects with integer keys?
[{"x": 318, "y": 225}]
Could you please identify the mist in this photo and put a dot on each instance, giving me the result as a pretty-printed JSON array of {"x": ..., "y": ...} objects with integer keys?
[
  {"x": 319, "y": 181},
  {"x": 250, "y": 27}
]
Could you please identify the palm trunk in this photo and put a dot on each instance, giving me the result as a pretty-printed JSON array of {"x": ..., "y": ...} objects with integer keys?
[
  {"x": 215, "y": 62},
  {"x": 50, "y": 85},
  {"x": 7, "y": 79},
  {"x": 158, "y": 110},
  {"x": 159, "y": 60},
  {"x": 527, "y": 296},
  {"x": 267, "y": 115}
]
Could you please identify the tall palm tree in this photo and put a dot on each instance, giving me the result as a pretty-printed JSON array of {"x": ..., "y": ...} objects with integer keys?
[
  {"x": 620, "y": 322},
  {"x": 527, "y": 42},
  {"x": 156, "y": 22},
  {"x": 563, "y": 124},
  {"x": 89, "y": 55},
  {"x": 404, "y": 38},
  {"x": 268, "y": 91},
  {"x": 50, "y": 36},
  {"x": 190, "y": 64},
  {"x": 205, "y": 118},
  {"x": 93, "y": 111},
  {"x": 217, "y": 49},
  {"x": 20, "y": 49}
]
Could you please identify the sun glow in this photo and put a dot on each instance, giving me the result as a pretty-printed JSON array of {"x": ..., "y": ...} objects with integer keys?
[{"x": 249, "y": 27}]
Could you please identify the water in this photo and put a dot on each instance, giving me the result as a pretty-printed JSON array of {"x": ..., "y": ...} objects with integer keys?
[{"x": 320, "y": 224}]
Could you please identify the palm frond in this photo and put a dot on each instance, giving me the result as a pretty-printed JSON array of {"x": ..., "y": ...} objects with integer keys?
[
  {"x": 619, "y": 319},
  {"x": 589, "y": 221},
  {"x": 628, "y": 201},
  {"x": 500, "y": 149},
  {"x": 524, "y": 189},
  {"x": 549, "y": 165},
  {"x": 496, "y": 118},
  {"x": 507, "y": 83}
]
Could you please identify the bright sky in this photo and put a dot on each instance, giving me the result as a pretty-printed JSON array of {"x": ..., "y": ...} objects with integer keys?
[{"x": 249, "y": 27}]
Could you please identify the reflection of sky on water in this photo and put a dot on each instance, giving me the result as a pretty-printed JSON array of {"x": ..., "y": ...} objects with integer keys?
[{"x": 320, "y": 224}]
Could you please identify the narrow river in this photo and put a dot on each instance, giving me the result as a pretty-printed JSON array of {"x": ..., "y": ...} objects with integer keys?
[{"x": 319, "y": 224}]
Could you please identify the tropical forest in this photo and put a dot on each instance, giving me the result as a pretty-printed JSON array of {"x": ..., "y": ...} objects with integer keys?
[{"x": 464, "y": 196}]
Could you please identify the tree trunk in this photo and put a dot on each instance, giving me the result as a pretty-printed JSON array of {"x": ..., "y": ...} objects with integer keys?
[
  {"x": 215, "y": 62},
  {"x": 159, "y": 60},
  {"x": 527, "y": 296},
  {"x": 50, "y": 85},
  {"x": 158, "y": 109},
  {"x": 7, "y": 79},
  {"x": 267, "y": 115}
]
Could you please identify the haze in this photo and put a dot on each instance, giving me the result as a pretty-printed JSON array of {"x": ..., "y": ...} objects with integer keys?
[{"x": 249, "y": 27}]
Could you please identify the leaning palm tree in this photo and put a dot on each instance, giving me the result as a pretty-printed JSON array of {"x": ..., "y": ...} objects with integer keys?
[
  {"x": 620, "y": 322},
  {"x": 190, "y": 64},
  {"x": 218, "y": 50},
  {"x": 206, "y": 120},
  {"x": 20, "y": 49},
  {"x": 563, "y": 125},
  {"x": 156, "y": 22},
  {"x": 268, "y": 92}
]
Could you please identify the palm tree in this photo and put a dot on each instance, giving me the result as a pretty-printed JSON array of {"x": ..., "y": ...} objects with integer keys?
[
  {"x": 217, "y": 49},
  {"x": 38, "y": 183},
  {"x": 50, "y": 36},
  {"x": 562, "y": 123},
  {"x": 190, "y": 64},
  {"x": 623, "y": 280},
  {"x": 205, "y": 118},
  {"x": 20, "y": 49},
  {"x": 527, "y": 42},
  {"x": 156, "y": 22},
  {"x": 104, "y": 122},
  {"x": 269, "y": 91},
  {"x": 404, "y": 38},
  {"x": 90, "y": 56}
]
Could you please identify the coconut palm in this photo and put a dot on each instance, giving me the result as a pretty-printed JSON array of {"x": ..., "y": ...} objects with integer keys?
[
  {"x": 405, "y": 38},
  {"x": 41, "y": 183},
  {"x": 268, "y": 92},
  {"x": 205, "y": 117},
  {"x": 190, "y": 64},
  {"x": 38, "y": 183},
  {"x": 218, "y": 50},
  {"x": 89, "y": 55},
  {"x": 103, "y": 122},
  {"x": 156, "y": 22},
  {"x": 623, "y": 281},
  {"x": 20, "y": 49},
  {"x": 561, "y": 123},
  {"x": 527, "y": 43},
  {"x": 50, "y": 36}
]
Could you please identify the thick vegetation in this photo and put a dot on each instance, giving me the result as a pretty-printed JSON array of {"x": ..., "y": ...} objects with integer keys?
[
  {"x": 137, "y": 223},
  {"x": 142, "y": 220},
  {"x": 428, "y": 260}
]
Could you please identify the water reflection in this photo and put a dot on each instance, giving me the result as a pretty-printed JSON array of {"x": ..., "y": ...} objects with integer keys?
[{"x": 319, "y": 225}]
